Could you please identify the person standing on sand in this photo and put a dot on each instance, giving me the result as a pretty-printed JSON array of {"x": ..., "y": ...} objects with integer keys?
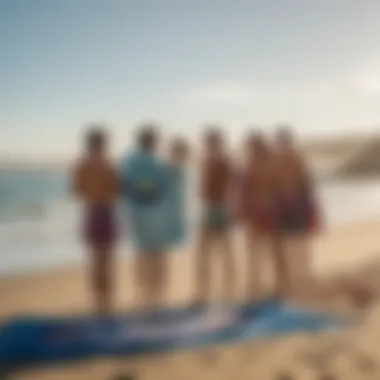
[
  {"x": 177, "y": 197},
  {"x": 297, "y": 213},
  {"x": 216, "y": 177},
  {"x": 146, "y": 187},
  {"x": 96, "y": 184},
  {"x": 256, "y": 209}
]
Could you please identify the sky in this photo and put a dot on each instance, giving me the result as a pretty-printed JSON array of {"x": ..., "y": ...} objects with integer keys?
[{"x": 67, "y": 63}]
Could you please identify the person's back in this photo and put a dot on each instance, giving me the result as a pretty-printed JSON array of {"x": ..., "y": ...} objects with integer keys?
[
  {"x": 96, "y": 184},
  {"x": 263, "y": 184},
  {"x": 97, "y": 181},
  {"x": 216, "y": 179},
  {"x": 291, "y": 170},
  {"x": 295, "y": 186},
  {"x": 259, "y": 187}
]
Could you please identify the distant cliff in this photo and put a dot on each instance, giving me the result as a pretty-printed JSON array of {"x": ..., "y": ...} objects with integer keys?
[
  {"x": 329, "y": 147},
  {"x": 364, "y": 161}
]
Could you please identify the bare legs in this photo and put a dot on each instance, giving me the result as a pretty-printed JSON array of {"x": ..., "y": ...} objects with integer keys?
[
  {"x": 259, "y": 244},
  {"x": 151, "y": 279},
  {"x": 280, "y": 268},
  {"x": 297, "y": 259},
  {"x": 101, "y": 278},
  {"x": 203, "y": 264},
  {"x": 228, "y": 265},
  {"x": 264, "y": 245},
  {"x": 203, "y": 267}
]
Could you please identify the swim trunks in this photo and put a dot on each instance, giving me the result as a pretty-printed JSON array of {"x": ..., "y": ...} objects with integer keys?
[
  {"x": 257, "y": 215},
  {"x": 100, "y": 225},
  {"x": 263, "y": 218},
  {"x": 296, "y": 214},
  {"x": 216, "y": 217}
]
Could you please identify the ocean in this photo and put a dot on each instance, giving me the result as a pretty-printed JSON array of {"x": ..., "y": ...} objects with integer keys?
[{"x": 40, "y": 220}]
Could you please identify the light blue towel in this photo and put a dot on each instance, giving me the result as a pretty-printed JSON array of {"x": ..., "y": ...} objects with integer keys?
[
  {"x": 176, "y": 201},
  {"x": 145, "y": 181},
  {"x": 153, "y": 202}
]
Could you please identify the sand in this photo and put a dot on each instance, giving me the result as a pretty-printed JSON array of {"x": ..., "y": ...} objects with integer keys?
[{"x": 351, "y": 248}]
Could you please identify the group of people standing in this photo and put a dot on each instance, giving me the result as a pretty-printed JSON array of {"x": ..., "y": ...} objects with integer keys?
[{"x": 270, "y": 195}]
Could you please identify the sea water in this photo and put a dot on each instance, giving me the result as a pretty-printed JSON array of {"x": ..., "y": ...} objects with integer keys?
[{"x": 40, "y": 222}]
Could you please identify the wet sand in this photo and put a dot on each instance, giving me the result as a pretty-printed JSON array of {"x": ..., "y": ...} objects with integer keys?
[{"x": 347, "y": 249}]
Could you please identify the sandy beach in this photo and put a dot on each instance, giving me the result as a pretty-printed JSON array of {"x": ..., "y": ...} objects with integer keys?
[{"x": 345, "y": 249}]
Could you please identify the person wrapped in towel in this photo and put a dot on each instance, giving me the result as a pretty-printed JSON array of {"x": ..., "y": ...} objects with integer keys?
[
  {"x": 178, "y": 158},
  {"x": 148, "y": 194}
]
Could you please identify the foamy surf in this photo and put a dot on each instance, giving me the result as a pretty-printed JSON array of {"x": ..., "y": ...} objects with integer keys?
[{"x": 38, "y": 235}]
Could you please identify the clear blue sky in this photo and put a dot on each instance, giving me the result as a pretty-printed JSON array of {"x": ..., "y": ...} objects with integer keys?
[{"x": 315, "y": 63}]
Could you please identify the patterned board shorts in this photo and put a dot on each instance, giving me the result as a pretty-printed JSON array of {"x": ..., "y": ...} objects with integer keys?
[{"x": 216, "y": 217}]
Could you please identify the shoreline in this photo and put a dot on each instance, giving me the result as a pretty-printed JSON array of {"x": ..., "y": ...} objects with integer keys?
[
  {"x": 64, "y": 288},
  {"x": 336, "y": 231},
  {"x": 64, "y": 291}
]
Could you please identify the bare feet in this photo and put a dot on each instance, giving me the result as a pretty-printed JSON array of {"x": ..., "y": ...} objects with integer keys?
[
  {"x": 256, "y": 295},
  {"x": 200, "y": 302}
]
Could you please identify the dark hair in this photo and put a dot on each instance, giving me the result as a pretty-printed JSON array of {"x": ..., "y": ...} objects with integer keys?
[
  {"x": 95, "y": 139},
  {"x": 179, "y": 145},
  {"x": 257, "y": 142},
  {"x": 147, "y": 137},
  {"x": 254, "y": 136},
  {"x": 213, "y": 135},
  {"x": 284, "y": 132}
]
